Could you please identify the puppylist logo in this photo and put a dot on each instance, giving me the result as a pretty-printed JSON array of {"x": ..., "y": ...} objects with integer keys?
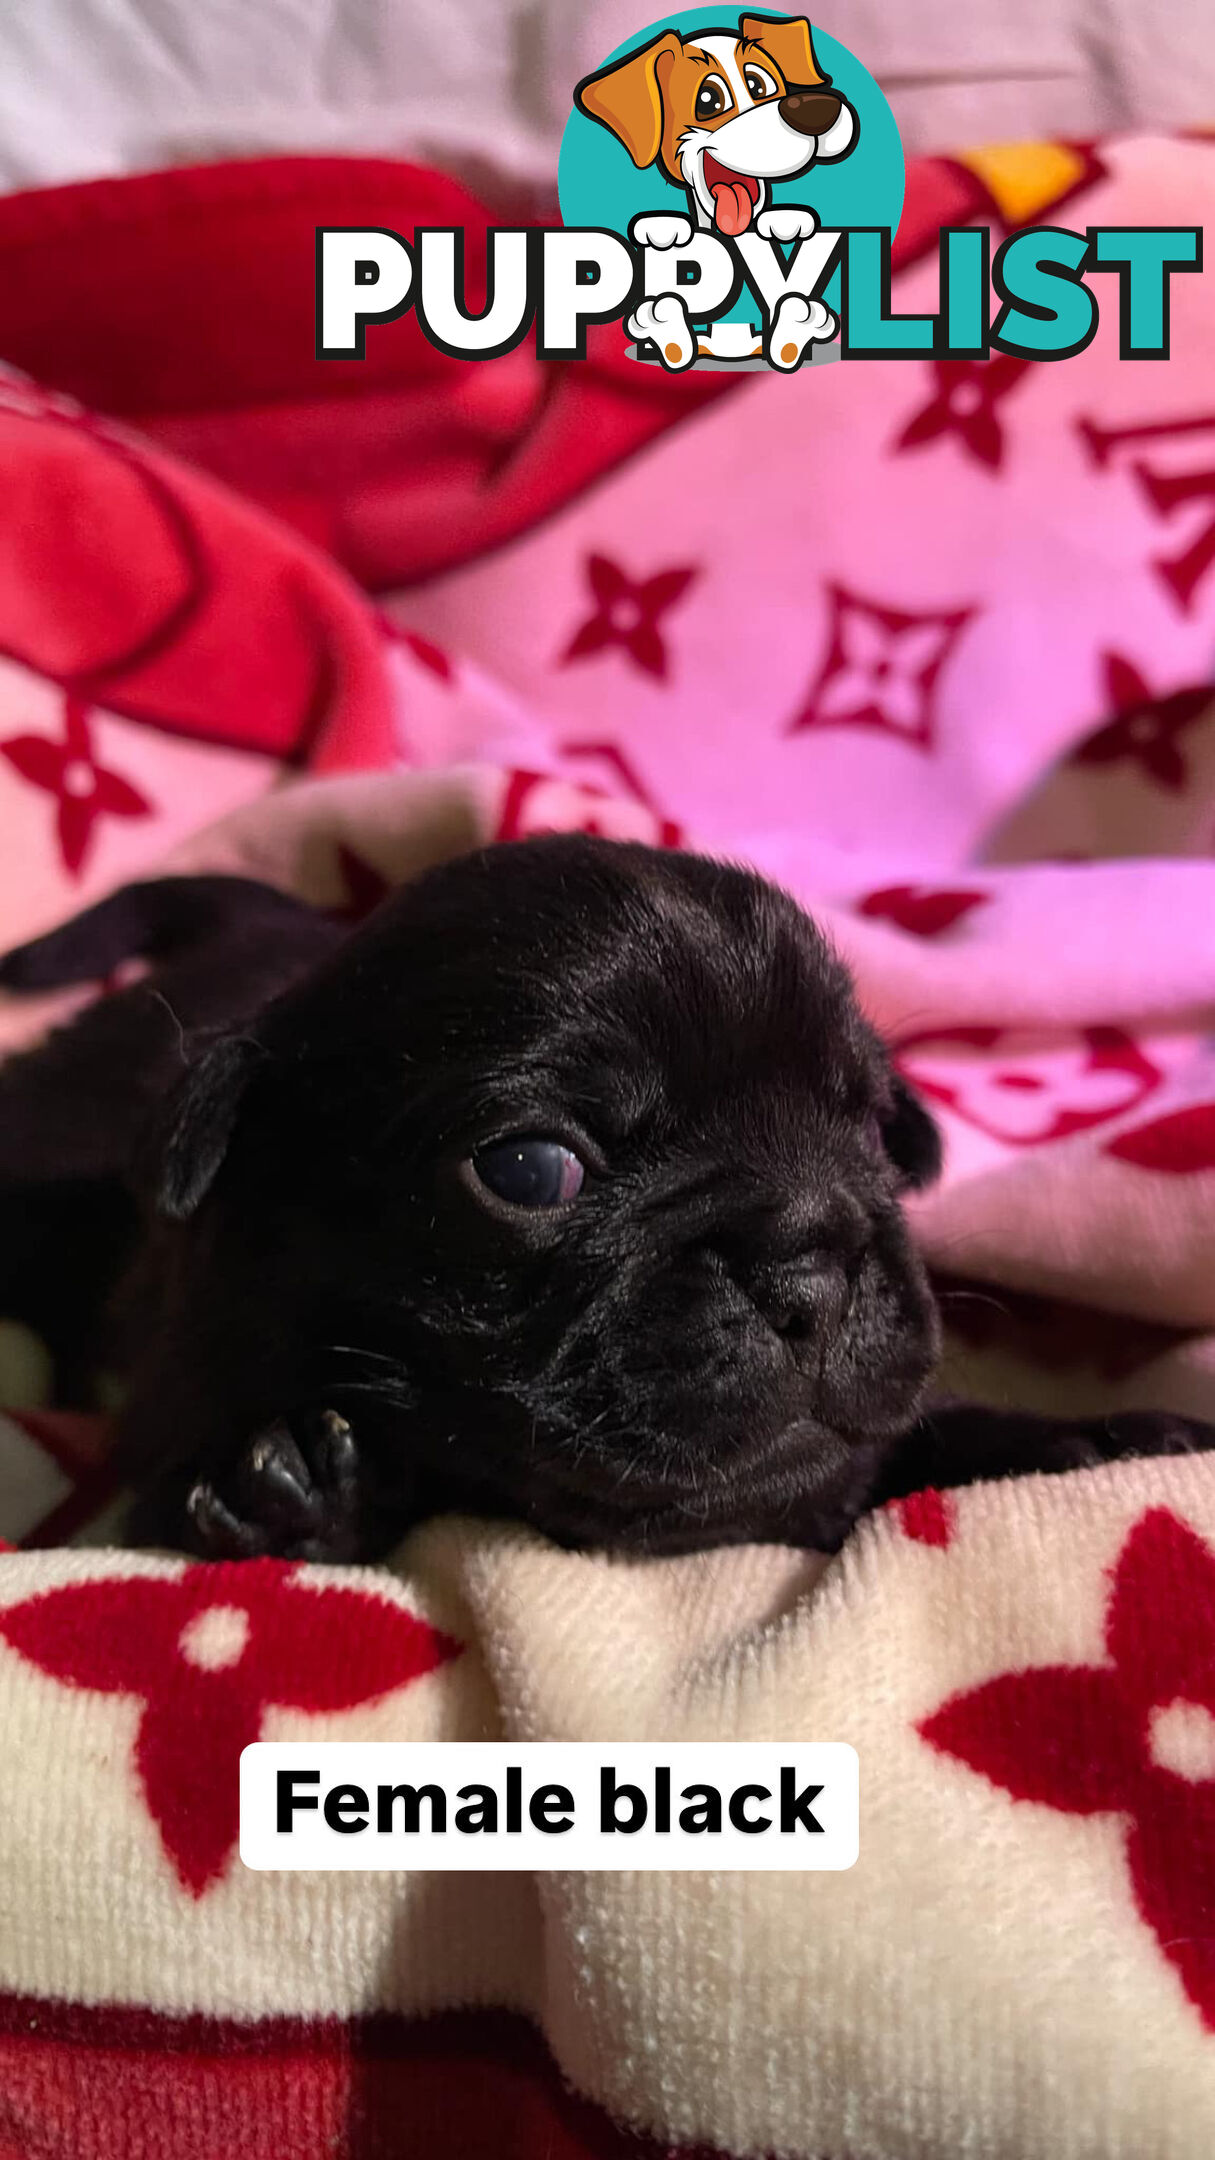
[
  {"x": 732, "y": 150},
  {"x": 730, "y": 186}
]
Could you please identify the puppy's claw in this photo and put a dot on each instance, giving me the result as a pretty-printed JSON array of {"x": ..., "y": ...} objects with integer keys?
[
  {"x": 298, "y": 1499},
  {"x": 221, "y": 1534},
  {"x": 337, "y": 1457},
  {"x": 278, "y": 1485}
]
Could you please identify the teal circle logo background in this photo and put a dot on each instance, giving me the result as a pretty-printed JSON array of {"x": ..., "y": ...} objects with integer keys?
[{"x": 599, "y": 185}]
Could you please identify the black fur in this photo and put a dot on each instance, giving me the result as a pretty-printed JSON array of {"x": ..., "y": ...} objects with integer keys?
[
  {"x": 75, "y": 1112},
  {"x": 726, "y": 1336}
]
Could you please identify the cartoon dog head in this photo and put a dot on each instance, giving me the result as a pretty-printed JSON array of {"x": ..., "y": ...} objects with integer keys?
[{"x": 722, "y": 115}]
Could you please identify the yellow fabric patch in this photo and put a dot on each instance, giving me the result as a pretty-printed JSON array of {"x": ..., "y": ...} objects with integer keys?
[{"x": 1024, "y": 179}]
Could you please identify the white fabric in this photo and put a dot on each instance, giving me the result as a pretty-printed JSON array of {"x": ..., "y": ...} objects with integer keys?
[
  {"x": 996, "y": 1977},
  {"x": 102, "y": 87}
]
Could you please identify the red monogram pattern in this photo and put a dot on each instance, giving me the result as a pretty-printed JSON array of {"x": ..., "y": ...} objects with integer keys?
[
  {"x": 1167, "y": 489},
  {"x": 542, "y": 802},
  {"x": 927, "y": 1518},
  {"x": 966, "y": 406},
  {"x": 920, "y": 910},
  {"x": 82, "y": 789},
  {"x": 1148, "y": 731},
  {"x": 628, "y": 613},
  {"x": 882, "y": 668},
  {"x": 1133, "y": 1737},
  {"x": 1178, "y": 1145},
  {"x": 206, "y": 1651},
  {"x": 620, "y": 775},
  {"x": 1031, "y": 1092},
  {"x": 431, "y": 656}
]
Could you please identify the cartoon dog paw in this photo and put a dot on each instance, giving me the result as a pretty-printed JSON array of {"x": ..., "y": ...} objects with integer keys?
[
  {"x": 797, "y": 323},
  {"x": 665, "y": 321},
  {"x": 660, "y": 229},
  {"x": 786, "y": 222}
]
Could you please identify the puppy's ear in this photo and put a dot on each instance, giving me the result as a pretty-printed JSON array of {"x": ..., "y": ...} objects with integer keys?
[
  {"x": 911, "y": 1137},
  {"x": 626, "y": 98},
  {"x": 186, "y": 1151}
]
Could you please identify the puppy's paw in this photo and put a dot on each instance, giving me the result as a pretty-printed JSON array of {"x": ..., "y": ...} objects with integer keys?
[
  {"x": 661, "y": 229},
  {"x": 786, "y": 222},
  {"x": 1082, "y": 1443},
  {"x": 797, "y": 323},
  {"x": 665, "y": 321},
  {"x": 294, "y": 1493}
]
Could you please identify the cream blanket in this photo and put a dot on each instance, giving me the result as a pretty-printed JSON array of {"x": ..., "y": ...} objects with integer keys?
[{"x": 1020, "y": 1966}]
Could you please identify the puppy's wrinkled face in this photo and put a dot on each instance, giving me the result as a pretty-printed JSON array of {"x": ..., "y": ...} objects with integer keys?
[{"x": 574, "y": 1179}]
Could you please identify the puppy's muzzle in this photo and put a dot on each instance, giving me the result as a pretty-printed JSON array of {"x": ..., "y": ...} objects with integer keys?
[
  {"x": 802, "y": 1303},
  {"x": 811, "y": 112}
]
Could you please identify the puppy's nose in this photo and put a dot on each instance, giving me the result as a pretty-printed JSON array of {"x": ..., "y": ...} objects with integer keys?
[
  {"x": 803, "y": 1302},
  {"x": 811, "y": 112}
]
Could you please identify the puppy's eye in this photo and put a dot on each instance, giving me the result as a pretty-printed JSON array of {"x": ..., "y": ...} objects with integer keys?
[
  {"x": 712, "y": 98},
  {"x": 758, "y": 82},
  {"x": 528, "y": 1172}
]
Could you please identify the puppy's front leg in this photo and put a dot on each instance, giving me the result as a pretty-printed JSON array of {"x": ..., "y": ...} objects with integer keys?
[
  {"x": 296, "y": 1492},
  {"x": 968, "y": 1444}
]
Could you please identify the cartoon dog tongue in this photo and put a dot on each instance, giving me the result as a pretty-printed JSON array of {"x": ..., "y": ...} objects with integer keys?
[
  {"x": 734, "y": 196},
  {"x": 731, "y": 207}
]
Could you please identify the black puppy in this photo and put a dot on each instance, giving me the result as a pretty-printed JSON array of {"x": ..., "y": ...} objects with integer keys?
[
  {"x": 72, "y": 1112},
  {"x": 565, "y": 1190}
]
